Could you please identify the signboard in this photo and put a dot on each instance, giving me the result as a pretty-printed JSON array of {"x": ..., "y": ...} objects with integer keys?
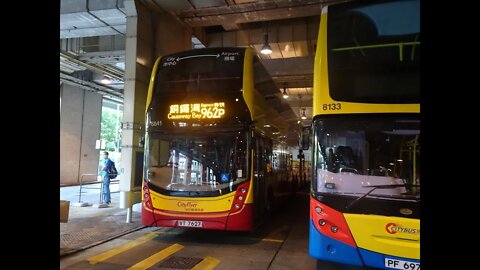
[
  {"x": 189, "y": 111},
  {"x": 100, "y": 144},
  {"x": 224, "y": 177}
]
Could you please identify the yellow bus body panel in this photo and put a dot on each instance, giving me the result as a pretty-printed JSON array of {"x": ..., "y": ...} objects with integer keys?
[
  {"x": 152, "y": 83},
  {"x": 247, "y": 91},
  {"x": 394, "y": 236},
  {"x": 320, "y": 73},
  {"x": 192, "y": 204}
]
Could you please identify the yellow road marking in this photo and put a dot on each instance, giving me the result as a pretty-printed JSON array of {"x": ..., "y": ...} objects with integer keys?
[
  {"x": 263, "y": 239},
  {"x": 272, "y": 240},
  {"x": 175, "y": 233},
  {"x": 208, "y": 263},
  {"x": 148, "y": 262},
  {"x": 112, "y": 252}
]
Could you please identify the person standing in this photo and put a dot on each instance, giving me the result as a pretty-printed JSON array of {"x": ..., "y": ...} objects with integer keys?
[{"x": 107, "y": 167}]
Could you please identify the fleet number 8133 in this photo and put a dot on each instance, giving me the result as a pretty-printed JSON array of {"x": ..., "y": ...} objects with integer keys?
[{"x": 332, "y": 106}]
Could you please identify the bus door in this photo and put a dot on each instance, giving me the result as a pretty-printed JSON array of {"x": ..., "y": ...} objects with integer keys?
[{"x": 259, "y": 178}]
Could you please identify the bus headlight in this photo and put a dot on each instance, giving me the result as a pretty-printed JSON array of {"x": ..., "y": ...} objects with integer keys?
[
  {"x": 322, "y": 222},
  {"x": 318, "y": 210},
  {"x": 334, "y": 229}
]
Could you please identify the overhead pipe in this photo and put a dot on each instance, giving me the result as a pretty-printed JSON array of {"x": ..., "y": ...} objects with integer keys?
[
  {"x": 118, "y": 8},
  {"x": 93, "y": 87},
  {"x": 93, "y": 67}
]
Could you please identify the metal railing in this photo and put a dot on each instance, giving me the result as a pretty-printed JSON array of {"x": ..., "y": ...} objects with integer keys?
[
  {"x": 81, "y": 184},
  {"x": 97, "y": 181}
]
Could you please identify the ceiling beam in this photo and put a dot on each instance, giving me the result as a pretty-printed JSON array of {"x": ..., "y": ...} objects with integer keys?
[
  {"x": 103, "y": 57},
  {"x": 292, "y": 66},
  {"x": 254, "y": 16}
]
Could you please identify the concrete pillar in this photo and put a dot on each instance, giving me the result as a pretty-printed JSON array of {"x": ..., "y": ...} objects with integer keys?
[
  {"x": 149, "y": 34},
  {"x": 80, "y": 115}
]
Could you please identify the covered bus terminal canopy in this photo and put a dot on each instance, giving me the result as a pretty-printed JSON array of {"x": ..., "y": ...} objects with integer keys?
[{"x": 107, "y": 51}]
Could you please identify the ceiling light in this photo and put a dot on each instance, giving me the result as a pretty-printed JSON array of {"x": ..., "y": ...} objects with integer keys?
[
  {"x": 285, "y": 95},
  {"x": 266, "y": 49},
  {"x": 303, "y": 114}
]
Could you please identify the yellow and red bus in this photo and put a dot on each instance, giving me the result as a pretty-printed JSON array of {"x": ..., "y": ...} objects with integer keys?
[
  {"x": 365, "y": 193},
  {"x": 215, "y": 152}
]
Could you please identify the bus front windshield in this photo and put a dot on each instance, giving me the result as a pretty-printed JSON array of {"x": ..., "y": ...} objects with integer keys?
[
  {"x": 197, "y": 162},
  {"x": 374, "y": 157}
]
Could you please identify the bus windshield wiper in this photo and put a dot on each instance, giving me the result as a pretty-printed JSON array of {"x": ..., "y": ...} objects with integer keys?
[{"x": 374, "y": 187}]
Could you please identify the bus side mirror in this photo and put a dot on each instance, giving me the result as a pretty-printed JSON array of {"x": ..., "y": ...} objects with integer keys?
[{"x": 305, "y": 139}]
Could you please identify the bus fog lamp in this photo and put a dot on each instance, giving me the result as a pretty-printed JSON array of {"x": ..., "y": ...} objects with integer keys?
[
  {"x": 236, "y": 205},
  {"x": 318, "y": 210},
  {"x": 322, "y": 222},
  {"x": 240, "y": 198},
  {"x": 334, "y": 229},
  {"x": 243, "y": 190}
]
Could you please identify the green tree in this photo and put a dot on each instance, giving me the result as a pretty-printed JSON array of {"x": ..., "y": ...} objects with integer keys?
[{"x": 111, "y": 128}]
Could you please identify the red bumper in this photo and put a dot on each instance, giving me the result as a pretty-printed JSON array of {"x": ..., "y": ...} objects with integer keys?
[{"x": 239, "y": 221}]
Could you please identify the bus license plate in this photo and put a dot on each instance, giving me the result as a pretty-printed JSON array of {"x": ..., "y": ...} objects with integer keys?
[
  {"x": 399, "y": 264},
  {"x": 190, "y": 223}
]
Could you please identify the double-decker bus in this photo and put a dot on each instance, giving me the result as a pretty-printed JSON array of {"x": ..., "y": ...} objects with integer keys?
[
  {"x": 365, "y": 192},
  {"x": 215, "y": 152}
]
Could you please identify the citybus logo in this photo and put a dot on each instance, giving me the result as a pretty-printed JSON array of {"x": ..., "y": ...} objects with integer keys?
[
  {"x": 186, "y": 204},
  {"x": 393, "y": 228}
]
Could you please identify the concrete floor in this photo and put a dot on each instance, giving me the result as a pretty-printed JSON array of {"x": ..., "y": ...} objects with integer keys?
[
  {"x": 90, "y": 225},
  {"x": 280, "y": 244}
]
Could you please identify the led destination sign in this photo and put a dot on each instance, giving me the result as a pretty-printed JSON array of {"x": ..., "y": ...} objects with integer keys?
[{"x": 188, "y": 111}]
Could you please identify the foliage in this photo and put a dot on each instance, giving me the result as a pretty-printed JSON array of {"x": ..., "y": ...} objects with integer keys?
[{"x": 111, "y": 128}]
